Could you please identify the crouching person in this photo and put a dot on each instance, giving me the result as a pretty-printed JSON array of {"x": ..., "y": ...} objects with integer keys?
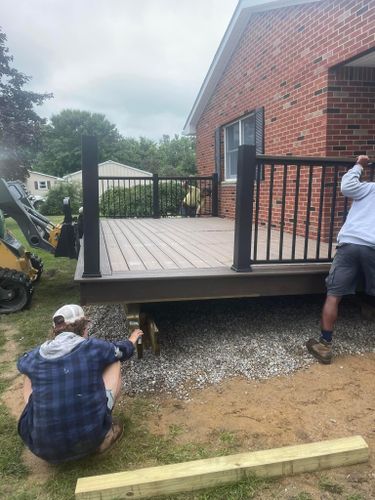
[{"x": 71, "y": 386}]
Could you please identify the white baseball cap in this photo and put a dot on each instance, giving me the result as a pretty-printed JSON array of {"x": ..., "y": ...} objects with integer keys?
[{"x": 70, "y": 313}]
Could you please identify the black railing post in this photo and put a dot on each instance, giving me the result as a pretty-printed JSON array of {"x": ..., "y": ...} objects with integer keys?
[
  {"x": 155, "y": 197},
  {"x": 246, "y": 168},
  {"x": 215, "y": 194},
  {"x": 90, "y": 187}
]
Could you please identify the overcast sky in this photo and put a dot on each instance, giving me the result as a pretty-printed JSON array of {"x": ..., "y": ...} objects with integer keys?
[{"x": 139, "y": 62}]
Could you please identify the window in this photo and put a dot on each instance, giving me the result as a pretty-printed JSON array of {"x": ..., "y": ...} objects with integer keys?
[
  {"x": 42, "y": 184},
  {"x": 247, "y": 130}
]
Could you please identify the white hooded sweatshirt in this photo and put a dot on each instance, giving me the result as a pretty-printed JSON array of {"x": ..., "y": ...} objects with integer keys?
[{"x": 359, "y": 227}]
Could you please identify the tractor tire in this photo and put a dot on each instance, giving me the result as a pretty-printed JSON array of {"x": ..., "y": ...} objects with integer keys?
[
  {"x": 37, "y": 264},
  {"x": 17, "y": 288}
]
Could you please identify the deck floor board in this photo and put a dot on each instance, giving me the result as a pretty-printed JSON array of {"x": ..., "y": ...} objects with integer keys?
[
  {"x": 153, "y": 260},
  {"x": 143, "y": 245}
]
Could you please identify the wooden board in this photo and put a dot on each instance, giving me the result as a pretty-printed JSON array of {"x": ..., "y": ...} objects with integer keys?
[{"x": 199, "y": 474}]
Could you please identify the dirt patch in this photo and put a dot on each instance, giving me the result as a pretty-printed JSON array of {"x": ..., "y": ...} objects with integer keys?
[{"x": 318, "y": 403}]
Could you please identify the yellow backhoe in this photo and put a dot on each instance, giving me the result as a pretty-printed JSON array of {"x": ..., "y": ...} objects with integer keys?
[{"x": 19, "y": 268}]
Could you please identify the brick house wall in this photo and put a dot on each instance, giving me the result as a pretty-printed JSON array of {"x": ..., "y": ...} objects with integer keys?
[{"x": 287, "y": 62}]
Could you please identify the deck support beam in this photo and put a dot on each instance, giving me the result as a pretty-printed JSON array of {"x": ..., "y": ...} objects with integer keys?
[{"x": 142, "y": 320}]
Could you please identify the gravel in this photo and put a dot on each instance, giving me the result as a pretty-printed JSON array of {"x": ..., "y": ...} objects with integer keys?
[{"x": 204, "y": 343}]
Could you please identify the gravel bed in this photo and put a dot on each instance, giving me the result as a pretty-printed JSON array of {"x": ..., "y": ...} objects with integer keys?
[{"x": 203, "y": 343}]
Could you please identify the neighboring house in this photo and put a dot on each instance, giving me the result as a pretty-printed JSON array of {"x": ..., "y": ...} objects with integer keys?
[
  {"x": 292, "y": 77},
  {"x": 38, "y": 184},
  {"x": 111, "y": 169}
]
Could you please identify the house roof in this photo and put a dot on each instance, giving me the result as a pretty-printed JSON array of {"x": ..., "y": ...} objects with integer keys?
[
  {"x": 31, "y": 171},
  {"x": 240, "y": 19},
  {"x": 138, "y": 170}
]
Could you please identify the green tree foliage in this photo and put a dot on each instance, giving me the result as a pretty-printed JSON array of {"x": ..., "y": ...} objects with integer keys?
[
  {"x": 177, "y": 155},
  {"x": 61, "y": 147},
  {"x": 19, "y": 123},
  {"x": 140, "y": 153},
  {"x": 61, "y": 142},
  {"x": 136, "y": 201},
  {"x": 174, "y": 156},
  {"x": 54, "y": 202}
]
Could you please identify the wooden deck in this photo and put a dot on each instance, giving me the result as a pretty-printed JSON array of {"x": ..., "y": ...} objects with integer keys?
[{"x": 152, "y": 260}]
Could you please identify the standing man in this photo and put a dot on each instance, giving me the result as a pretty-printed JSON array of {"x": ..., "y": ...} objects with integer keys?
[
  {"x": 355, "y": 256},
  {"x": 71, "y": 386}
]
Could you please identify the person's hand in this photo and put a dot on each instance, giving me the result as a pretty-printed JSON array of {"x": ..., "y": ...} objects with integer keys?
[
  {"x": 135, "y": 336},
  {"x": 363, "y": 160}
]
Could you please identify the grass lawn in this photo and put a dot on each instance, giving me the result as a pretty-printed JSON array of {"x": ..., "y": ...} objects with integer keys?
[{"x": 138, "y": 448}]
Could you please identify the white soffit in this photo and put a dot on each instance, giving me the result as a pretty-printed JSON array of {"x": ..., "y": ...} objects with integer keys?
[{"x": 238, "y": 23}]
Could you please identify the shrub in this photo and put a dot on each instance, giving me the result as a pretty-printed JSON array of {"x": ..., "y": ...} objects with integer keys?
[
  {"x": 137, "y": 201},
  {"x": 54, "y": 202}
]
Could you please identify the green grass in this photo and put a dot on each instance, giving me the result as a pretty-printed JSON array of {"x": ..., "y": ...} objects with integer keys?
[
  {"x": 56, "y": 288},
  {"x": 326, "y": 484},
  {"x": 139, "y": 448}
]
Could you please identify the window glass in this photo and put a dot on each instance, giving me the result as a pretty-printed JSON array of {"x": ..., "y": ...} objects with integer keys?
[
  {"x": 237, "y": 134},
  {"x": 42, "y": 185},
  {"x": 232, "y": 143},
  {"x": 248, "y": 131}
]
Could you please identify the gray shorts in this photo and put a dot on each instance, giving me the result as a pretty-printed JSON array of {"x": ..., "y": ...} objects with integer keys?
[{"x": 352, "y": 264}]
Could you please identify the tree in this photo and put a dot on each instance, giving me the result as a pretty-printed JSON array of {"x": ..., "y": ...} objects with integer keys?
[
  {"x": 19, "y": 123},
  {"x": 61, "y": 141},
  {"x": 177, "y": 155},
  {"x": 139, "y": 153},
  {"x": 168, "y": 157}
]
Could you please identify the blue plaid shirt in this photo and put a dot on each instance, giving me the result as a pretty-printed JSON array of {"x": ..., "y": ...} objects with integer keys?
[{"x": 66, "y": 416}]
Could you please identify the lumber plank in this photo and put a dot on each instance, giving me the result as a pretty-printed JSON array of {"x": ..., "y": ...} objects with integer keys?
[{"x": 190, "y": 476}]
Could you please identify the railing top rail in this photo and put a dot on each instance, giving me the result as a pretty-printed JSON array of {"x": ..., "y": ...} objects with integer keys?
[
  {"x": 190, "y": 178},
  {"x": 119, "y": 177},
  {"x": 305, "y": 160},
  {"x": 168, "y": 178}
]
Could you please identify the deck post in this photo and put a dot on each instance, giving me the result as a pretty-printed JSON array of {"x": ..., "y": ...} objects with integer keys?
[
  {"x": 155, "y": 197},
  {"x": 215, "y": 194},
  {"x": 246, "y": 168},
  {"x": 90, "y": 187}
]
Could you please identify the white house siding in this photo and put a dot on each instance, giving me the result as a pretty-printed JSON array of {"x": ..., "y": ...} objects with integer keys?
[
  {"x": 111, "y": 169},
  {"x": 39, "y": 184}
]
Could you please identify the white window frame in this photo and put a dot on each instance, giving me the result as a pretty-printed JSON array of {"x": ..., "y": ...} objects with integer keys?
[
  {"x": 42, "y": 185},
  {"x": 239, "y": 121}
]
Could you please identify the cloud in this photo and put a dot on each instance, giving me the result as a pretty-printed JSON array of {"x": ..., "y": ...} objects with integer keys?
[{"x": 140, "y": 62}]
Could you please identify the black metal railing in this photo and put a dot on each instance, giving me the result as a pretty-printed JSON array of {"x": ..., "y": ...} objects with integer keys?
[
  {"x": 158, "y": 196},
  {"x": 288, "y": 209},
  {"x": 135, "y": 197}
]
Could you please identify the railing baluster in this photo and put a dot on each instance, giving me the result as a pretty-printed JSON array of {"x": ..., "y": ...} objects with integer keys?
[
  {"x": 282, "y": 215},
  {"x": 155, "y": 196},
  {"x": 256, "y": 218},
  {"x": 320, "y": 215},
  {"x": 307, "y": 223},
  {"x": 215, "y": 195},
  {"x": 270, "y": 206},
  {"x": 333, "y": 208},
  {"x": 295, "y": 215}
]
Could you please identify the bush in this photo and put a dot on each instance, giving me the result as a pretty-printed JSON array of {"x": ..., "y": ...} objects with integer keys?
[
  {"x": 137, "y": 201},
  {"x": 54, "y": 201}
]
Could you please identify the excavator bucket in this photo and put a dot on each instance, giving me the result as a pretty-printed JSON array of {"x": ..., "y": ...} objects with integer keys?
[{"x": 38, "y": 230}]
